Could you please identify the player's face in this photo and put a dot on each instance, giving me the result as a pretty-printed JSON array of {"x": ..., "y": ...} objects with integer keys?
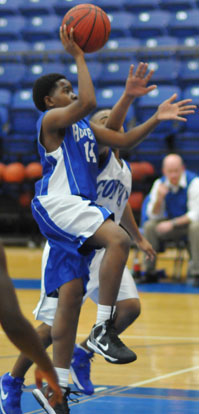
[
  {"x": 63, "y": 95},
  {"x": 173, "y": 173}
]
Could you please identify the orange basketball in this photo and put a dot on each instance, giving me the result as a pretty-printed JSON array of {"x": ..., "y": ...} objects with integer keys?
[
  {"x": 91, "y": 26},
  {"x": 14, "y": 173},
  {"x": 33, "y": 170}
]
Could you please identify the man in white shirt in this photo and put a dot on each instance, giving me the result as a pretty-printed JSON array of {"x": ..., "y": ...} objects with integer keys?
[{"x": 173, "y": 212}]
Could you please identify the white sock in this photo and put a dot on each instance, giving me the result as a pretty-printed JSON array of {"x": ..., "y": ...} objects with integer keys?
[
  {"x": 84, "y": 349},
  {"x": 63, "y": 375},
  {"x": 104, "y": 312}
]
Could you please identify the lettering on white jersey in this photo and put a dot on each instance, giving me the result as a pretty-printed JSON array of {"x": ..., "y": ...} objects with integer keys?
[{"x": 112, "y": 188}]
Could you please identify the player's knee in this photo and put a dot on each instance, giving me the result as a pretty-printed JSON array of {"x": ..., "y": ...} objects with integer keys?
[
  {"x": 133, "y": 310},
  {"x": 122, "y": 241}
]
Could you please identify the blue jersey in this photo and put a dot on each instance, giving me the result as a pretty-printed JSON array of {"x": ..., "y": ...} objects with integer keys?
[{"x": 73, "y": 167}]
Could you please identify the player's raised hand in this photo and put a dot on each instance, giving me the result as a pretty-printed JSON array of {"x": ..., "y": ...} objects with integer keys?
[
  {"x": 175, "y": 110},
  {"x": 136, "y": 83},
  {"x": 53, "y": 391},
  {"x": 68, "y": 41}
]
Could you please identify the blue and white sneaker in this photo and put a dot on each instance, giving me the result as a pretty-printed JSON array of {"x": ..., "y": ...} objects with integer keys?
[
  {"x": 80, "y": 370},
  {"x": 10, "y": 394}
]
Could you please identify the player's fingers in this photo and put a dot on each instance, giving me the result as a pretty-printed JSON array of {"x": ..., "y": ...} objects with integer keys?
[
  {"x": 131, "y": 70},
  {"x": 186, "y": 112},
  {"x": 149, "y": 75},
  {"x": 144, "y": 70},
  {"x": 172, "y": 98},
  {"x": 179, "y": 118},
  {"x": 187, "y": 107},
  {"x": 138, "y": 72},
  {"x": 71, "y": 34},
  {"x": 151, "y": 88},
  {"x": 184, "y": 102}
]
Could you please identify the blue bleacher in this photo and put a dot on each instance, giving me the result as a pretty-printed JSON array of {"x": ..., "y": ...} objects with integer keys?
[
  {"x": 39, "y": 69},
  {"x": 150, "y": 23},
  {"x": 120, "y": 24},
  {"x": 115, "y": 72},
  {"x": 120, "y": 48},
  {"x": 11, "y": 27},
  {"x": 140, "y": 5},
  {"x": 19, "y": 147},
  {"x": 9, "y": 7},
  {"x": 37, "y": 8},
  {"x": 13, "y": 50},
  {"x": 184, "y": 23},
  {"x": 62, "y": 6},
  {"x": 11, "y": 75},
  {"x": 41, "y": 28},
  {"x": 192, "y": 92},
  {"x": 5, "y": 97},
  {"x": 95, "y": 69},
  {"x": 175, "y": 5},
  {"x": 150, "y": 44},
  {"x": 110, "y": 5},
  {"x": 32, "y": 28},
  {"x": 48, "y": 50},
  {"x": 23, "y": 113},
  {"x": 189, "y": 72},
  {"x": 190, "y": 42},
  {"x": 166, "y": 71}
]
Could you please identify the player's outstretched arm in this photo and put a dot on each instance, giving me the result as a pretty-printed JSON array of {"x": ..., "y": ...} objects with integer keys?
[
  {"x": 85, "y": 102},
  {"x": 129, "y": 223},
  {"x": 168, "y": 110},
  {"x": 21, "y": 332},
  {"x": 136, "y": 86}
]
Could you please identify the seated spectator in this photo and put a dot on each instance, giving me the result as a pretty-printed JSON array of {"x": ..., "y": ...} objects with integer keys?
[{"x": 173, "y": 213}]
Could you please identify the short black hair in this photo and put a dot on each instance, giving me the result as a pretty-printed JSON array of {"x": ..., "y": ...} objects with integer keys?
[{"x": 42, "y": 87}]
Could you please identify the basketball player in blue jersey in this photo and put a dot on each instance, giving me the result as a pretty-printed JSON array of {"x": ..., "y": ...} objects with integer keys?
[
  {"x": 65, "y": 210},
  {"x": 128, "y": 307}
]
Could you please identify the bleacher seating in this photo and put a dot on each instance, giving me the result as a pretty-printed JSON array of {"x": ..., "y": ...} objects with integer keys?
[
  {"x": 115, "y": 72},
  {"x": 164, "y": 33},
  {"x": 184, "y": 23},
  {"x": 23, "y": 112},
  {"x": 121, "y": 23},
  {"x": 150, "y": 23},
  {"x": 37, "y": 8},
  {"x": 41, "y": 28},
  {"x": 11, "y": 75},
  {"x": 13, "y": 51}
]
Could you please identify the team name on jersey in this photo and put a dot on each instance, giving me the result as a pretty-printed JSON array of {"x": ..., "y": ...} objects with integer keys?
[
  {"x": 80, "y": 133},
  {"x": 112, "y": 188}
]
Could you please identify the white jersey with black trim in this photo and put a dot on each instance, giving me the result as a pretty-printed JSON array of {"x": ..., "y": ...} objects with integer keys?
[{"x": 114, "y": 182}]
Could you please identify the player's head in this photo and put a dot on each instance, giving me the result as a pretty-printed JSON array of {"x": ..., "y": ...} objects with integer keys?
[
  {"x": 172, "y": 168},
  {"x": 52, "y": 91},
  {"x": 101, "y": 117}
]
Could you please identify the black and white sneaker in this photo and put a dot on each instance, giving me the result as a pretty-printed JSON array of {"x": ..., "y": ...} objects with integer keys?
[
  {"x": 104, "y": 340},
  {"x": 58, "y": 408}
]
